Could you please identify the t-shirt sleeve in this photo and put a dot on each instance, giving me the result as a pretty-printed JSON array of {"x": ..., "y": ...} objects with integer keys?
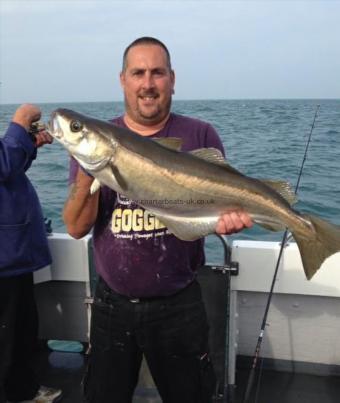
[
  {"x": 212, "y": 139},
  {"x": 74, "y": 166}
]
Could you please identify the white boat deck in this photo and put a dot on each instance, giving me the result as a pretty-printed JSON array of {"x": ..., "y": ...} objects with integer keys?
[{"x": 301, "y": 341}]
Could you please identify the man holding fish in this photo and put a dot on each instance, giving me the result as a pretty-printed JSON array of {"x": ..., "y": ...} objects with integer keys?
[{"x": 147, "y": 302}]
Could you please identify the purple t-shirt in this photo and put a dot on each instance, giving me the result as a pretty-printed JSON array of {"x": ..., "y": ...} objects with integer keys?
[{"x": 134, "y": 252}]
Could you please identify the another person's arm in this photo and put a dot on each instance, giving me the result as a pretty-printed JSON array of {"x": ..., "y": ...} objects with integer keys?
[
  {"x": 17, "y": 149},
  {"x": 25, "y": 115}
]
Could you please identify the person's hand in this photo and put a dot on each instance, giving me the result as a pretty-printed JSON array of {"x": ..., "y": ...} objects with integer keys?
[
  {"x": 42, "y": 138},
  {"x": 232, "y": 222},
  {"x": 26, "y": 114}
]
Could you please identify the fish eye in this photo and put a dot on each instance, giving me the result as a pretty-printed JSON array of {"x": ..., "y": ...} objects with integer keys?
[{"x": 76, "y": 126}]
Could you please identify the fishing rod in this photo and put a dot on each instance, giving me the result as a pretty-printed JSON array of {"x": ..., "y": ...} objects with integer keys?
[{"x": 251, "y": 377}]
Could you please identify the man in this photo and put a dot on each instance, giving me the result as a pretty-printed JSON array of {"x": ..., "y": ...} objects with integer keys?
[
  {"x": 23, "y": 250},
  {"x": 147, "y": 300}
]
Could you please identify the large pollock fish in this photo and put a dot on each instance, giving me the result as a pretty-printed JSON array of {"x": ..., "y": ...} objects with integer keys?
[{"x": 187, "y": 192}]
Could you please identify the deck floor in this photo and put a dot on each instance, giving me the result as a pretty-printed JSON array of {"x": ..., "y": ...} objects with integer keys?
[{"x": 65, "y": 371}]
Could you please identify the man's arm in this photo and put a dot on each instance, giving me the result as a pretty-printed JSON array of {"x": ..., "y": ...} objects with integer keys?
[{"x": 81, "y": 208}]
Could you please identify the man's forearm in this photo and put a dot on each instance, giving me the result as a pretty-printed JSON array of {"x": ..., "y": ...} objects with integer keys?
[{"x": 80, "y": 209}]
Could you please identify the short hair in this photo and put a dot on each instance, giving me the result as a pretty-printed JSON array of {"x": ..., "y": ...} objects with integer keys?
[{"x": 146, "y": 40}]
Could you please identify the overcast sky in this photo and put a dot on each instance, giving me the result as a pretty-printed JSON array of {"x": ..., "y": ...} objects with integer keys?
[{"x": 64, "y": 51}]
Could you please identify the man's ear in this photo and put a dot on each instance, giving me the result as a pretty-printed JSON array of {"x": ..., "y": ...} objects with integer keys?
[
  {"x": 173, "y": 80},
  {"x": 122, "y": 79}
]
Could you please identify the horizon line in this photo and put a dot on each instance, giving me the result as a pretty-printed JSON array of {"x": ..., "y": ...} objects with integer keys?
[{"x": 178, "y": 100}]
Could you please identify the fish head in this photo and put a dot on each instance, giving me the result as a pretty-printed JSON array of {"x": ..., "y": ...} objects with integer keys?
[{"x": 85, "y": 138}]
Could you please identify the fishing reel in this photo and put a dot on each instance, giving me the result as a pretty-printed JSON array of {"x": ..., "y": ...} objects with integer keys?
[{"x": 35, "y": 128}]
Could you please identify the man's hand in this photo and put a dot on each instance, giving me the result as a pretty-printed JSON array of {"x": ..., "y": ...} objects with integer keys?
[
  {"x": 42, "y": 138},
  {"x": 232, "y": 222},
  {"x": 26, "y": 114}
]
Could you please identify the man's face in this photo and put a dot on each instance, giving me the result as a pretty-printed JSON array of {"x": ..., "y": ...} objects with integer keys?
[{"x": 148, "y": 84}]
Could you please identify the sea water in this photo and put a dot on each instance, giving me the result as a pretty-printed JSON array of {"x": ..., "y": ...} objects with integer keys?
[{"x": 262, "y": 138}]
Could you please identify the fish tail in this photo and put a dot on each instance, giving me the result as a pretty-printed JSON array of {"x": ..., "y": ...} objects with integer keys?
[{"x": 321, "y": 244}]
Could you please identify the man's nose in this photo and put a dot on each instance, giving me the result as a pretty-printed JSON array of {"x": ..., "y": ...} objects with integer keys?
[{"x": 148, "y": 81}]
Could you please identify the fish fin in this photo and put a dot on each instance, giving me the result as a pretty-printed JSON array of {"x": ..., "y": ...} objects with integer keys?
[
  {"x": 118, "y": 178},
  {"x": 267, "y": 223},
  {"x": 320, "y": 245},
  {"x": 272, "y": 226},
  {"x": 93, "y": 166},
  {"x": 214, "y": 156},
  {"x": 174, "y": 143},
  {"x": 189, "y": 229},
  {"x": 95, "y": 186},
  {"x": 283, "y": 188},
  {"x": 209, "y": 154}
]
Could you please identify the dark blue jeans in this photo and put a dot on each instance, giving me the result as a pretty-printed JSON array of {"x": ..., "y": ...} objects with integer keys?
[
  {"x": 172, "y": 334},
  {"x": 18, "y": 337}
]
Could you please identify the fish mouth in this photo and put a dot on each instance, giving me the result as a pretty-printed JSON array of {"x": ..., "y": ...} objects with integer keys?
[
  {"x": 53, "y": 127},
  {"x": 49, "y": 127}
]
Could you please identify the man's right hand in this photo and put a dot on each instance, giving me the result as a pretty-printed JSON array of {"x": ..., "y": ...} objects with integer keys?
[{"x": 81, "y": 208}]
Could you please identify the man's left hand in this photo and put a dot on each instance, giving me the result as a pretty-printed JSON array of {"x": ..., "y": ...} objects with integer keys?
[{"x": 232, "y": 222}]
